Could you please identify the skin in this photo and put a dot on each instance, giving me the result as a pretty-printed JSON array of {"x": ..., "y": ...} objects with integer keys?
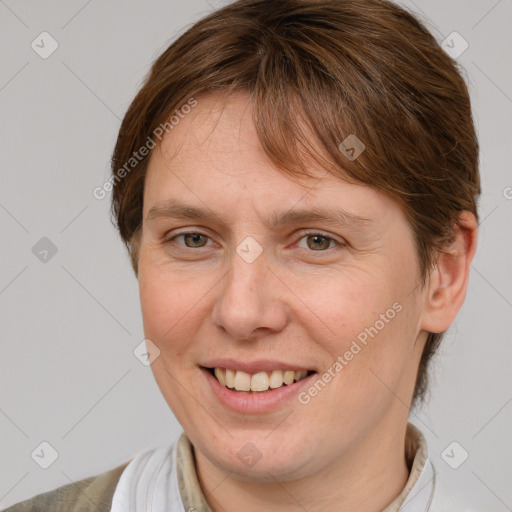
[{"x": 303, "y": 300}]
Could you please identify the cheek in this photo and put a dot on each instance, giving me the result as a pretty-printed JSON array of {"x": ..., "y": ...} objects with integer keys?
[
  {"x": 369, "y": 320},
  {"x": 170, "y": 308},
  {"x": 340, "y": 306},
  {"x": 170, "y": 312}
]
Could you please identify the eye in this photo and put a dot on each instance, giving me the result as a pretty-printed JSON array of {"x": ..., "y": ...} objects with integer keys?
[
  {"x": 191, "y": 239},
  {"x": 315, "y": 241},
  {"x": 318, "y": 241}
]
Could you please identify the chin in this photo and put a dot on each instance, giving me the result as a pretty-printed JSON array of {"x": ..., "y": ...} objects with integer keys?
[{"x": 256, "y": 457}]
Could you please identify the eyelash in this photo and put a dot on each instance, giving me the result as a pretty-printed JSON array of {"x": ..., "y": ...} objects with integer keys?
[{"x": 304, "y": 235}]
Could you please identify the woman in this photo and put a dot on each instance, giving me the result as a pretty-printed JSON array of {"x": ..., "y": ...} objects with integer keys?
[{"x": 296, "y": 184}]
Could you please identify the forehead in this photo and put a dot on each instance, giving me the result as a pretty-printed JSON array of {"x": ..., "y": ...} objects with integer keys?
[
  {"x": 214, "y": 155},
  {"x": 220, "y": 132}
]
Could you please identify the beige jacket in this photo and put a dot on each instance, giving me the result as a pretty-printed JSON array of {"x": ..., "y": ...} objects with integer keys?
[{"x": 91, "y": 494}]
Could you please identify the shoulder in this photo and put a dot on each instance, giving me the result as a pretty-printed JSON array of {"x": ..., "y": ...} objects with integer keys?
[{"x": 93, "y": 493}]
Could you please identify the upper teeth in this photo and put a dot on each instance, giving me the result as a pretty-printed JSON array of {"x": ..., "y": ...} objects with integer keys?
[{"x": 260, "y": 381}]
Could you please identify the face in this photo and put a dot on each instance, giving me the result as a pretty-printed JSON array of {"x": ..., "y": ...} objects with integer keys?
[{"x": 248, "y": 271}]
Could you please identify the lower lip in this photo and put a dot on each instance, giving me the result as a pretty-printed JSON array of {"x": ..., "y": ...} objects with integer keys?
[{"x": 258, "y": 402}]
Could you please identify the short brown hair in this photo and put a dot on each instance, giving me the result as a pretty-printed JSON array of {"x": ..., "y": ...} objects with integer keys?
[{"x": 318, "y": 71}]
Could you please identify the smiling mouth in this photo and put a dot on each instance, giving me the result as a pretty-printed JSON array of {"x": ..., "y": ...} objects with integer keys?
[{"x": 257, "y": 382}]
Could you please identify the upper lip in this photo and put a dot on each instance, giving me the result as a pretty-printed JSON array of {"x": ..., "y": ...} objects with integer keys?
[{"x": 252, "y": 367}]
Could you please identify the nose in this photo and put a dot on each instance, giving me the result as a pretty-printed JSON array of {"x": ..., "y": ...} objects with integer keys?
[{"x": 249, "y": 303}]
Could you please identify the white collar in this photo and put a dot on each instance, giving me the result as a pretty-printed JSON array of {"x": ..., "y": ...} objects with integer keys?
[
  {"x": 164, "y": 479},
  {"x": 418, "y": 492}
]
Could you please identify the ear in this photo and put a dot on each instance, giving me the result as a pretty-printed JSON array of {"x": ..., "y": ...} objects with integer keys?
[{"x": 448, "y": 281}]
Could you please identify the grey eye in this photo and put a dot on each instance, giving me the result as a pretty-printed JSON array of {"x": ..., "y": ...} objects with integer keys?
[
  {"x": 318, "y": 242},
  {"x": 193, "y": 239}
]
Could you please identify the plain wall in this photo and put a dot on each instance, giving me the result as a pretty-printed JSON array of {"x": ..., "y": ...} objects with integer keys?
[{"x": 68, "y": 375}]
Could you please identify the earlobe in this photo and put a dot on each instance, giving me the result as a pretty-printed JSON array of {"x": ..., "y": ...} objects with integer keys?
[{"x": 448, "y": 281}]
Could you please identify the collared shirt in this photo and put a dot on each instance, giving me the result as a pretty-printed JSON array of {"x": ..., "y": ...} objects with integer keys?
[{"x": 166, "y": 479}]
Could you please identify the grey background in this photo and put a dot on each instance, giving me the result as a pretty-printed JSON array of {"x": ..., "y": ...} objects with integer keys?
[{"x": 69, "y": 326}]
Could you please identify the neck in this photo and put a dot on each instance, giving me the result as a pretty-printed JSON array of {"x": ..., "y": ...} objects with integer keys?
[{"x": 367, "y": 479}]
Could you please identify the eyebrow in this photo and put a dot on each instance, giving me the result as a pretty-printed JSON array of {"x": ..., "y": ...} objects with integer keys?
[{"x": 171, "y": 208}]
